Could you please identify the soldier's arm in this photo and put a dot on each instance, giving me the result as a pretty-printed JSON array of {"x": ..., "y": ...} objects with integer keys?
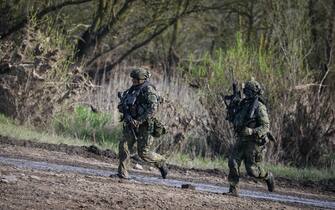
[
  {"x": 263, "y": 121},
  {"x": 151, "y": 104},
  {"x": 120, "y": 104},
  {"x": 120, "y": 108}
]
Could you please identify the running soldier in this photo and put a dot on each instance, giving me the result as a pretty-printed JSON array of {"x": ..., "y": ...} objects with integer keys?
[
  {"x": 138, "y": 105},
  {"x": 251, "y": 125}
]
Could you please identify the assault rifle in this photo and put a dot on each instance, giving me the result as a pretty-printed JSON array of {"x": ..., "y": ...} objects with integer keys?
[
  {"x": 232, "y": 101},
  {"x": 123, "y": 107}
]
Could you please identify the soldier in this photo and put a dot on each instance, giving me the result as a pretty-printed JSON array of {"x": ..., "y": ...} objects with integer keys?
[
  {"x": 138, "y": 105},
  {"x": 251, "y": 125}
]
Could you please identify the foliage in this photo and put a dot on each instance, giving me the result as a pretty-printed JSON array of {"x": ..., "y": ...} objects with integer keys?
[
  {"x": 87, "y": 125},
  {"x": 42, "y": 73},
  {"x": 302, "y": 174},
  {"x": 217, "y": 72},
  {"x": 279, "y": 170},
  {"x": 197, "y": 162},
  {"x": 306, "y": 143},
  {"x": 286, "y": 45},
  {"x": 10, "y": 128}
]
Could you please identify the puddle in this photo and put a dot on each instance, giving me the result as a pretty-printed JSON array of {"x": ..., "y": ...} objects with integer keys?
[{"x": 27, "y": 164}]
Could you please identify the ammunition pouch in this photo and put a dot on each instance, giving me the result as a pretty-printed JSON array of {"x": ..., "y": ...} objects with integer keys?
[
  {"x": 259, "y": 157},
  {"x": 158, "y": 128},
  {"x": 262, "y": 141},
  {"x": 259, "y": 153}
]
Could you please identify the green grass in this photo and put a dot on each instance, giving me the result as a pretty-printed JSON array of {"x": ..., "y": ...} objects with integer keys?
[
  {"x": 298, "y": 174},
  {"x": 9, "y": 128},
  {"x": 198, "y": 162},
  {"x": 89, "y": 126}
]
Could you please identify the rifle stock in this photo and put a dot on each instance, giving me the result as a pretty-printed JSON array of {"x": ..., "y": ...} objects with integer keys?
[{"x": 232, "y": 101}]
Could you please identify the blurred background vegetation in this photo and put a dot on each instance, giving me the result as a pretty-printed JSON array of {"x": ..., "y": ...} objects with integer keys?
[{"x": 62, "y": 63}]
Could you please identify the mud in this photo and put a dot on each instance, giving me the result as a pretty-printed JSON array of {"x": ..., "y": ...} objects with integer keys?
[
  {"x": 61, "y": 179},
  {"x": 90, "y": 151},
  {"x": 108, "y": 155},
  {"x": 26, "y": 164}
]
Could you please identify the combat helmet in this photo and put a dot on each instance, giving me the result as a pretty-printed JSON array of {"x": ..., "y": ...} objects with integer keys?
[
  {"x": 140, "y": 73},
  {"x": 252, "y": 88}
]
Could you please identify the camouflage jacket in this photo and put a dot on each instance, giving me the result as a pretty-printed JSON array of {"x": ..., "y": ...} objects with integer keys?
[
  {"x": 256, "y": 119},
  {"x": 141, "y": 101}
]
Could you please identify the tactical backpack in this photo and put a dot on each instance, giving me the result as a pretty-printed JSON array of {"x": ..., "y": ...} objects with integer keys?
[{"x": 158, "y": 127}]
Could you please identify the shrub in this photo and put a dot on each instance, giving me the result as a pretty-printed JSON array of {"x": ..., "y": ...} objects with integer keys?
[
  {"x": 85, "y": 124},
  {"x": 301, "y": 119}
]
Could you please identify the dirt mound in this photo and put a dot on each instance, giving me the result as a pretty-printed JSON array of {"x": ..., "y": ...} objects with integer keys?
[{"x": 84, "y": 151}]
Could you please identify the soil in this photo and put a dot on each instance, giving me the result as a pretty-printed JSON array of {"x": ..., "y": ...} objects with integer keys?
[{"x": 42, "y": 189}]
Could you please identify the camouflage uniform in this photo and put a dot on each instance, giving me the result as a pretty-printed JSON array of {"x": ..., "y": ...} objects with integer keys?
[
  {"x": 251, "y": 124},
  {"x": 141, "y": 111}
]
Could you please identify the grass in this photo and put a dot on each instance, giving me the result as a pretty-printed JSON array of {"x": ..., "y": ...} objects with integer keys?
[
  {"x": 293, "y": 173},
  {"x": 299, "y": 174},
  {"x": 82, "y": 123},
  {"x": 198, "y": 162},
  {"x": 9, "y": 128}
]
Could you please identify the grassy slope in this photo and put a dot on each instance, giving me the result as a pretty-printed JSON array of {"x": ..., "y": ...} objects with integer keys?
[
  {"x": 293, "y": 173},
  {"x": 9, "y": 128}
]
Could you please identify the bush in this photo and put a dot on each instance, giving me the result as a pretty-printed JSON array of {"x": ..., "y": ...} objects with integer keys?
[
  {"x": 301, "y": 119},
  {"x": 216, "y": 73},
  {"x": 85, "y": 124}
]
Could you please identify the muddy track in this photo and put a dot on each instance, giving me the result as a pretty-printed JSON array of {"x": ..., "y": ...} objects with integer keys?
[
  {"x": 91, "y": 151},
  {"x": 38, "y": 172},
  {"x": 27, "y": 164},
  {"x": 96, "y": 153}
]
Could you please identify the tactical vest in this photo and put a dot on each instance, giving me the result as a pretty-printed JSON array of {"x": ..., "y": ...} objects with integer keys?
[
  {"x": 134, "y": 101},
  {"x": 245, "y": 116}
]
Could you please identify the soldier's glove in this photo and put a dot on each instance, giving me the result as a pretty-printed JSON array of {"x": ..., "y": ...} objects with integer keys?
[
  {"x": 135, "y": 123},
  {"x": 120, "y": 108},
  {"x": 248, "y": 131}
]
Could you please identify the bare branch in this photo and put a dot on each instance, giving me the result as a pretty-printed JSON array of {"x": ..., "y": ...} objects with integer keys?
[
  {"x": 40, "y": 14},
  {"x": 186, "y": 11},
  {"x": 326, "y": 74},
  {"x": 109, "y": 67}
]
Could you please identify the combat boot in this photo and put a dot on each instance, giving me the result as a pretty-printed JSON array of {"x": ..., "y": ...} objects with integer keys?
[
  {"x": 164, "y": 170},
  {"x": 233, "y": 191},
  {"x": 270, "y": 181},
  {"x": 119, "y": 176}
]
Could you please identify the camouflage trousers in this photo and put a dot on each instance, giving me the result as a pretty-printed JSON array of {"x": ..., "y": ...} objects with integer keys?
[
  {"x": 251, "y": 153},
  {"x": 144, "y": 141}
]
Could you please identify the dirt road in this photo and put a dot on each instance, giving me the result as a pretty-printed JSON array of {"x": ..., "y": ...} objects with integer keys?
[{"x": 42, "y": 176}]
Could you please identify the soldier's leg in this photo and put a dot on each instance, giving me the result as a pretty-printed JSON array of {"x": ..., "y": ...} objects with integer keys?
[
  {"x": 144, "y": 143},
  {"x": 234, "y": 164},
  {"x": 253, "y": 165},
  {"x": 253, "y": 161},
  {"x": 127, "y": 141}
]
